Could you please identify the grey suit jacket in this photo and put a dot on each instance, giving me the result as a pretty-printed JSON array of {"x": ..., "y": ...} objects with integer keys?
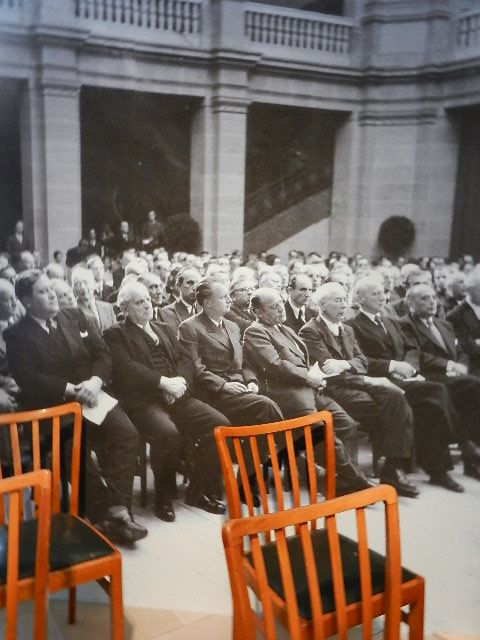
[{"x": 105, "y": 312}]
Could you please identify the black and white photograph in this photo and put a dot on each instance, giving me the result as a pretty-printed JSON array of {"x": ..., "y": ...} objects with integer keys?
[{"x": 239, "y": 319}]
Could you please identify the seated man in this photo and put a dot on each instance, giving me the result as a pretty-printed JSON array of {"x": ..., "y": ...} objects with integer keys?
[
  {"x": 443, "y": 361},
  {"x": 154, "y": 377},
  {"x": 280, "y": 360},
  {"x": 465, "y": 319},
  {"x": 223, "y": 379},
  {"x": 241, "y": 291},
  {"x": 99, "y": 312},
  {"x": 155, "y": 289},
  {"x": 57, "y": 356},
  {"x": 175, "y": 313},
  {"x": 388, "y": 357},
  {"x": 297, "y": 306}
]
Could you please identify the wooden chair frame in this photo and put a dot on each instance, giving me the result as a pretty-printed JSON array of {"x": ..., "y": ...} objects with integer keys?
[
  {"x": 14, "y": 589},
  {"x": 97, "y": 569},
  {"x": 229, "y": 439},
  {"x": 251, "y": 573}
]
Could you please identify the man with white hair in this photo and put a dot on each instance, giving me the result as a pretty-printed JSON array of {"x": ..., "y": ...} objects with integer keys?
[
  {"x": 443, "y": 360},
  {"x": 465, "y": 319},
  {"x": 391, "y": 355},
  {"x": 155, "y": 289},
  {"x": 241, "y": 291},
  {"x": 102, "y": 290},
  {"x": 83, "y": 285},
  {"x": 154, "y": 377},
  {"x": 374, "y": 402}
]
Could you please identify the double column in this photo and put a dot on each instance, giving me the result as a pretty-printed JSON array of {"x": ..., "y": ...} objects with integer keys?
[{"x": 51, "y": 170}]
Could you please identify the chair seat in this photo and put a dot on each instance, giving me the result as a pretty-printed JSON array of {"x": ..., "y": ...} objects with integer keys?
[
  {"x": 72, "y": 541},
  {"x": 351, "y": 571}
]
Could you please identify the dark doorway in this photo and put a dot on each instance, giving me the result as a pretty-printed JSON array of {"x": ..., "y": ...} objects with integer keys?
[
  {"x": 135, "y": 156},
  {"x": 466, "y": 218},
  {"x": 10, "y": 159}
]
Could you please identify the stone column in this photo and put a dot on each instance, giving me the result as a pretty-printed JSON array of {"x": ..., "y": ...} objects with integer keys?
[
  {"x": 51, "y": 176},
  {"x": 217, "y": 191}
]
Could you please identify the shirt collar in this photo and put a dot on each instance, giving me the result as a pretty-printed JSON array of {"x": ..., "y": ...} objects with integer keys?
[
  {"x": 296, "y": 310},
  {"x": 334, "y": 327},
  {"x": 370, "y": 316},
  {"x": 43, "y": 323}
]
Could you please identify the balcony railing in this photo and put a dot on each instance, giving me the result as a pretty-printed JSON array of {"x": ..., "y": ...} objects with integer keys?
[
  {"x": 180, "y": 16},
  {"x": 298, "y": 29},
  {"x": 469, "y": 30}
]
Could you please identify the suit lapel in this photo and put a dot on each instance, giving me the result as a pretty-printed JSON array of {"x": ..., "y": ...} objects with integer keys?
[
  {"x": 289, "y": 339},
  {"x": 163, "y": 337},
  {"x": 329, "y": 338},
  {"x": 135, "y": 335},
  {"x": 374, "y": 328},
  {"x": 67, "y": 331},
  {"x": 447, "y": 338},
  {"x": 214, "y": 331},
  {"x": 234, "y": 343}
]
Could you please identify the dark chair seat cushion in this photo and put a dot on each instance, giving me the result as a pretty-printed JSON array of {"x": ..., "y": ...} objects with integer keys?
[
  {"x": 351, "y": 571},
  {"x": 71, "y": 542}
]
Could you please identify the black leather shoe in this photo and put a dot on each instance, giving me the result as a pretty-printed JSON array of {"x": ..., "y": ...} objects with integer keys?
[
  {"x": 400, "y": 482},
  {"x": 446, "y": 481},
  {"x": 119, "y": 532},
  {"x": 138, "y": 530},
  {"x": 164, "y": 510},
  {"x": 206, "y": 503},
  {"x": 472, "y": 470}
]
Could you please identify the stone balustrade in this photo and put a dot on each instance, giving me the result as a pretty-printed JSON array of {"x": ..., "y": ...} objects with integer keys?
[
  {"x": 180, "y": 16},
  {"x": 298, "y": 29},
  {"x": 469, "y": 30}
]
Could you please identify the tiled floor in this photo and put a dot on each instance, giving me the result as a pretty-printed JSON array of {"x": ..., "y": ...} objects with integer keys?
[{"x": 176, "y": 585}]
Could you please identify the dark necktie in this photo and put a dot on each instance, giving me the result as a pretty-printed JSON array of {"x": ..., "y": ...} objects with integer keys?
[
  {"x": 50, "y": 327},
  {"x": 341, "y": 340}
]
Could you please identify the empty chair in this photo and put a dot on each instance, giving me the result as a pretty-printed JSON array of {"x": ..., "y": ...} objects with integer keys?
[
  {"x": 78, "y": 552},
  {"x": 316, "y": 582}
]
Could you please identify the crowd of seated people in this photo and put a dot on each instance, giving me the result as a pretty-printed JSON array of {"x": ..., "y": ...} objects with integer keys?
[{"x": 187, "y": 342}]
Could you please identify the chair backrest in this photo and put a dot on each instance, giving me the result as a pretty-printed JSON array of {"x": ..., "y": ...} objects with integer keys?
[
  {"x": 296, "y": 559},
  {"x": 249, "y": 447},
  {"x": 13, "y": 489},
  {"x": 33, "y": 434}
]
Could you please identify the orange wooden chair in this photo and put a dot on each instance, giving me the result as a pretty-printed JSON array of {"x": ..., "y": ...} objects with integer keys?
[
  {"x": 78, "y": 552},
  {"x": 242, "y": 447},
  {"x": 313, "y": 580},
  {"x": 24, "y": 550}
]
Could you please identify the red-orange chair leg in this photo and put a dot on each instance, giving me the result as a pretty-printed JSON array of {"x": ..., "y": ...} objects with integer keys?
[
  {"x": 116, "y": 602},
  {"x": 416, "y": 616}
]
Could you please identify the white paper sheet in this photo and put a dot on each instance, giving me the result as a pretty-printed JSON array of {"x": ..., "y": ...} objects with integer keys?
[{"x": 98, "y": 414}]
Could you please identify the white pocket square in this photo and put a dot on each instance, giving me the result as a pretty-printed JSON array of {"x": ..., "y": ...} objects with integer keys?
[{"x": 83, "y": 334}]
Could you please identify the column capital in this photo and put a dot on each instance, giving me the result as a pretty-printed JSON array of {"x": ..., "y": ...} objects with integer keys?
[{"x": 58, "y": 88}]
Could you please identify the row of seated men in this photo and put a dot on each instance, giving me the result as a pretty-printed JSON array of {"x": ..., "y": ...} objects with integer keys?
[{"x": 207, "y": 378}]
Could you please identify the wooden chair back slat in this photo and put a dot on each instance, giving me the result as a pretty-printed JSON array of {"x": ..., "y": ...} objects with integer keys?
[
  {"x": 14, "y": 488},
  {"x": 36, "y": 445},
  {"x": 254, "y": 573},
  {"x": 242, "y": 472},
  {"x": 56, "y": 467},
  {"x": 12, "y": 564},
  {"x": 336, "y": 568},
  {"x": 312, "y": 581},
  {"x": 277, "y": 478},
  {"x": 259, "y": 475},
  {"x": 15, "y": 449},
  {"x": 292, "y": 468},
  {"x": 365, "y": 574}
]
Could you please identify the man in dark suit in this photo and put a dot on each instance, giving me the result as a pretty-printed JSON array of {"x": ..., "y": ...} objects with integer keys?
[
  {"x": 102, "y": 291},
  {"x": 280, "y": 360},
  {"x": 155, "y": 289},
  {"x": 373, "y": 401},
  {"x": 183, "y": 308},
  {"x": 443, "y": 361},
  {"x": 224, "y": 379},
  {"x": 154, "y": 376},
  {"x": 297, "y": 307},
  {"x": 241, "y": 291},
  {"x": 57, "y": 356},
  {"x": 465, "y": 319},
  {"x": 390, "y": 354}
]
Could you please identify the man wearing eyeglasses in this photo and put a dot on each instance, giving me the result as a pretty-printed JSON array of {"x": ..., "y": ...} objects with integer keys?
[{"x": 241, "y": 291}]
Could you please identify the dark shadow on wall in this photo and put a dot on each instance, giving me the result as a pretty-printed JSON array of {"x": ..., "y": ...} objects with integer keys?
[{"x": 135, "y": 156}]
